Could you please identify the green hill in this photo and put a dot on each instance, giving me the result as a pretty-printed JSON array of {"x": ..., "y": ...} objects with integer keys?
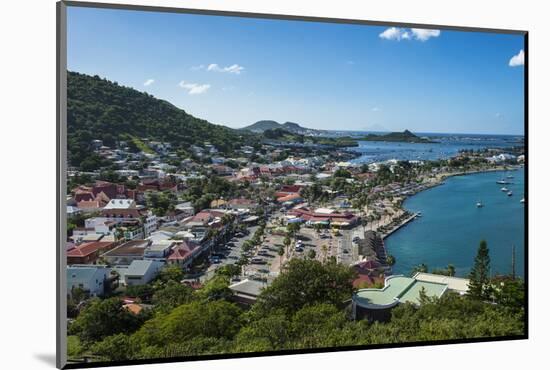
[
  {"x": 294, "y": 128},
  {"x": 405, "y": 136},
  {"x": 101, "y": 109}
]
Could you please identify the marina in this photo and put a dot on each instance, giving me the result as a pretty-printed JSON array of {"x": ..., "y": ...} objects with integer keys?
[{"x": 443, "y": 237}]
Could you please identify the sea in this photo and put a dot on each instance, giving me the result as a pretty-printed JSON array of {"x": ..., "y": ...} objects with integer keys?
[
  {"x": 444, "y": 146},
  {"x": 451, "y": 225}
]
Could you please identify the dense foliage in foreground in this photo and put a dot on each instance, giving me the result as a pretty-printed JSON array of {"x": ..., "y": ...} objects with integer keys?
[{"x": 185, "y": 323}]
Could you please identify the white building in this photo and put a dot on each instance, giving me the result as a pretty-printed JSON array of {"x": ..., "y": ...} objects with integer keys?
[{"x": 90, "y": 278}]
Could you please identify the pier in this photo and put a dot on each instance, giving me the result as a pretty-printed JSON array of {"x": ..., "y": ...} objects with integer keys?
[{"x": 400, "y": 225}]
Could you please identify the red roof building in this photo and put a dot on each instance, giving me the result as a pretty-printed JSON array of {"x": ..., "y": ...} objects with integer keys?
[{"x": 88, "y": 252}]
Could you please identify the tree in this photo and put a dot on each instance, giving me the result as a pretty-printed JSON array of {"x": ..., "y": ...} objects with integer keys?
[
  {"x": 305, "y": 281},
  {"x": 287, "y": 242},
  {"x": 229, "y": 270},
  {"x": 390, "y": 260},
  {"x": 216, "y": 288},
  {"x": 311, "y": 254},
  {"x": 420, "y": 268},
  {"x": 114, "y": 348},
  {"x": 143, "y": 292},
  {"x": 280, "y": 252},
  {"x": 214, "y": 319},
  {"x": 324, "y": 251},
  {"x": 103, "y": 318},
  {"x": 171, "y": 273},
  {"x": 172, "y": 295},
  {"x": 479, "y": 275}
]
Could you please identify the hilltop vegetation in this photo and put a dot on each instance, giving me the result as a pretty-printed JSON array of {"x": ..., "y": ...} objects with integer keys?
[{"x": 104, "y": 110}]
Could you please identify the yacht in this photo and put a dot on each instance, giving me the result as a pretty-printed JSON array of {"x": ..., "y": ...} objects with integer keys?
[
  {"x": 504, "y": 189},
  {"x": 522, "y": 200},
  {"x": 479, "y": 204},
  {"x": 503, "y": 182},
  {"x": 509, "y": 193}
]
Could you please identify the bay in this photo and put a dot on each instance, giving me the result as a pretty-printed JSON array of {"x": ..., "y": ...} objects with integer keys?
[{"x": 451, "y": 225}]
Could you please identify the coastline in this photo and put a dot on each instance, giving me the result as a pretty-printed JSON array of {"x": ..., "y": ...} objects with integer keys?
[
  {"x": 432, "y": 185},
  {"x": 439, "y": 181}
]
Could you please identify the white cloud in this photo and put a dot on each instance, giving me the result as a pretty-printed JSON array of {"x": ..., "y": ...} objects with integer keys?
[
  {"x": 517, "y": 60},
  {"x": 394, "y": 33},
  {"x": 148, "y": 82},
  {"x": 235, "y": 68},
  {"x": 423, "y": 34},
  {"x": 193, "y": 88}
]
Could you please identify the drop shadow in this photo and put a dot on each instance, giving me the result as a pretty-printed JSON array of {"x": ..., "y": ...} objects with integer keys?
[{"x": 46, "y": 358}]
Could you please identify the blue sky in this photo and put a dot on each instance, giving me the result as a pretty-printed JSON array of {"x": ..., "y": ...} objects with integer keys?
[{"x": 236, "y": 71}]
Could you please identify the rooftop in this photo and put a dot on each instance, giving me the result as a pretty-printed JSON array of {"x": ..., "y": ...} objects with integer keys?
[
  {"x": 140, "y": 267},
  {"x": 120, "y": 204},
  {"x": 398, "y": 289},
  {"x": 247, "y": 287},
  {"x": 131, "y": 248}
]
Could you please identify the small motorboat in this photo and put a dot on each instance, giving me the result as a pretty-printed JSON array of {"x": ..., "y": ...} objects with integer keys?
[
  {"x": 509, "y": 193},
  {"x": 505, "y": 189},
  {"x": 522, "y": 200},
  {"x": 479, "y": 204}
]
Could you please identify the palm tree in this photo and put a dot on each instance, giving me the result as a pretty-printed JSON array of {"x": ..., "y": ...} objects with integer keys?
[
  {"x": 324, "y": 250},
  {"x": 287, "y": 243},
  {"x": 280, "y": 252},
  {"x": 451, "y": 270}
]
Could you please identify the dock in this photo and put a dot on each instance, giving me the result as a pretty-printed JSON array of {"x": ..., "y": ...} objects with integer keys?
[{"x": 400, "y": 225}]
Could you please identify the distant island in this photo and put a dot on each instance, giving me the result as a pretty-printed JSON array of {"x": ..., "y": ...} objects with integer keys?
[
  {"x": 400, "y": 137},
  {"x": 282, "y": 135},
  {"x": 275, "y": 130},
  {"x": 294, "y": 128}
]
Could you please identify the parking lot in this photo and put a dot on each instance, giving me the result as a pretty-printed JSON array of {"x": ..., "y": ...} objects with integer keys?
[{"x": 264, "y": 260}]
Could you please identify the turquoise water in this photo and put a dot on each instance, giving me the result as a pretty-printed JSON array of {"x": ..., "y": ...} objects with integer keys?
[{"x": 451, "y": 225}]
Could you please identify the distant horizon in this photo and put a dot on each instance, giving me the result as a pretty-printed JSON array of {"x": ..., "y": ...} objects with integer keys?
[{"x": 235, "y": 71}]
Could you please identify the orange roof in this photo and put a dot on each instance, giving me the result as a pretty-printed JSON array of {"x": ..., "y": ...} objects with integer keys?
[
  {"x": 289, "y": 197},
  {"x": 133, "y": 308},
  {"x": 86, "y": 249}
]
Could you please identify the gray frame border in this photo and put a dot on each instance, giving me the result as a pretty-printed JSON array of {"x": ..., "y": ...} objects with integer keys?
[
  {"x": 61, "y": 172},
  {"x": 61, "y": 159}
]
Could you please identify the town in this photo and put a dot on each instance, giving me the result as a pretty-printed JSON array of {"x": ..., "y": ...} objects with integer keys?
[{"x": 210, "y": 211}]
